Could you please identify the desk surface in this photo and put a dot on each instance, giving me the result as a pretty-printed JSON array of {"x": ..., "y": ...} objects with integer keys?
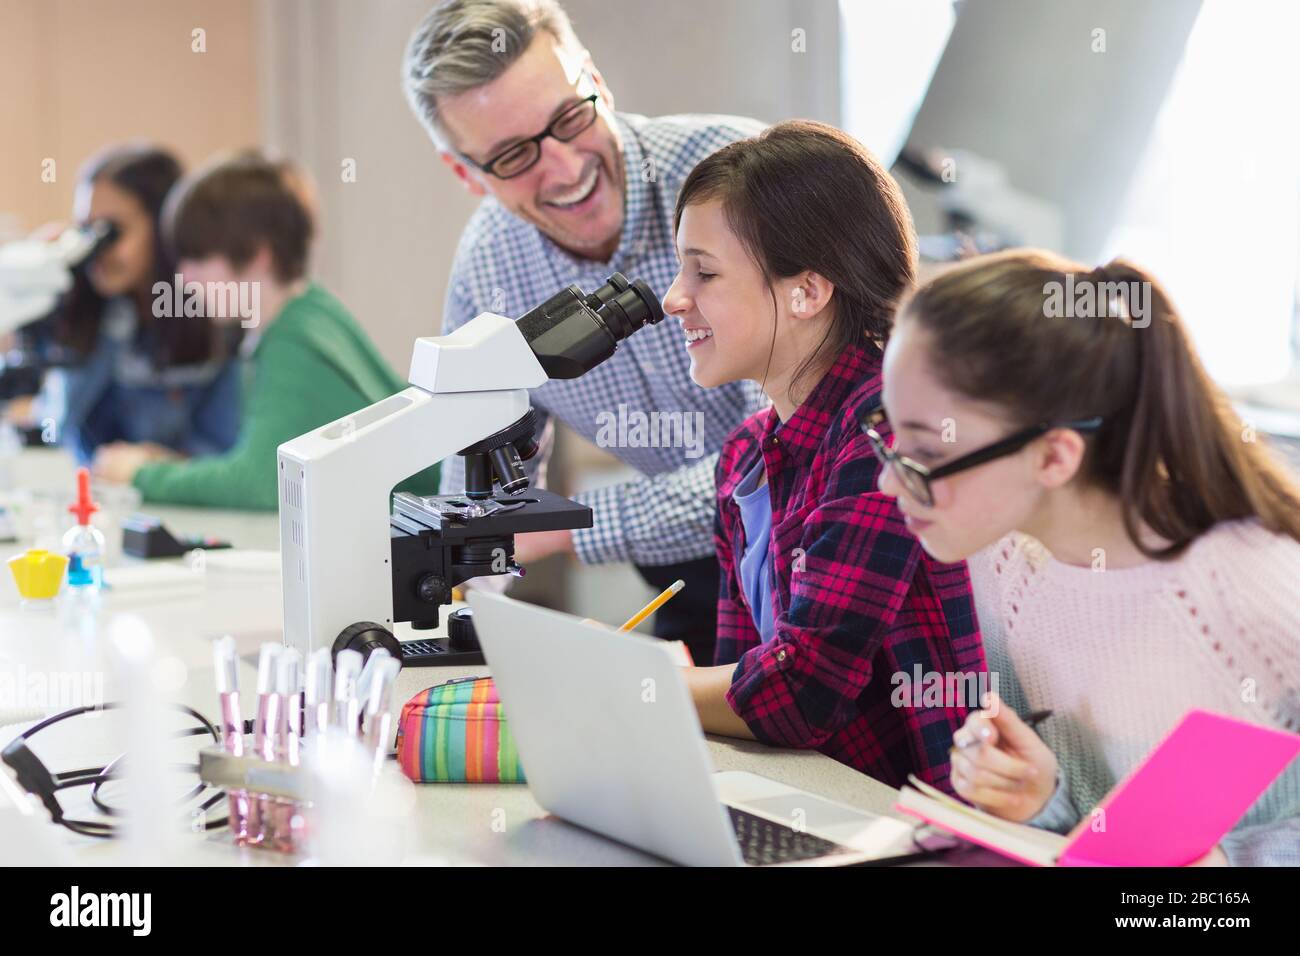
[{"x": 459, "y": 824}]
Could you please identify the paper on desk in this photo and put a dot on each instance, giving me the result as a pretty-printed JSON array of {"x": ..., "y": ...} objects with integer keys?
[
  {"x": 145, "y": 580},
  {"x": 242, "y": 561}
]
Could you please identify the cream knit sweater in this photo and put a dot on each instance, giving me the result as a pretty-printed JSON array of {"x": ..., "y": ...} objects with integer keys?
[{"x": 1120, "y": 655}]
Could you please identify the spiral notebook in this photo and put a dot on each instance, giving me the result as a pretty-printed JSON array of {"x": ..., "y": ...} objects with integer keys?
[{"x": 1170, "y": 811}]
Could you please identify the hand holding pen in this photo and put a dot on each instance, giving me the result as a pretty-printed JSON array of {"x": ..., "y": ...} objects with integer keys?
[{"x": 1001, "y": 765}]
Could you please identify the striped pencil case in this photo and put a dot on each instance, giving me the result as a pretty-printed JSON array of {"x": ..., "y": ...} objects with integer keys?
[{"x": 456, "y": 733}]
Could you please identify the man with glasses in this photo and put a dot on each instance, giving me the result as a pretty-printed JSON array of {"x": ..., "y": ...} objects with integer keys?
[{"x": 572, "y": 192}]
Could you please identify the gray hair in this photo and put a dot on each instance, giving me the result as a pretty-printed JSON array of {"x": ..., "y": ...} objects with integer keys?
[{"x": 462, "y": 44}]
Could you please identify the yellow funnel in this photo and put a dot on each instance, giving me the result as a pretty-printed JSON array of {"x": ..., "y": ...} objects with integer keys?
[{"x": 38, "y": 573}]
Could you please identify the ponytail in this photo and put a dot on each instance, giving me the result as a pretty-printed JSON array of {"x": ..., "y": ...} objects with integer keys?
[{"x": 1171, "y": 447}]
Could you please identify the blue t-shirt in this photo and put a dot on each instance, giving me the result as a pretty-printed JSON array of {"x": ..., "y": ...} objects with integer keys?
[
  {"x": 117, "y": 394},
  {"x": 756, "y": 563}
]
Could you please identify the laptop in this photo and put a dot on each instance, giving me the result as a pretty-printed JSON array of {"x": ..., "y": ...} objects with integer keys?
[{"x": 610, "y": 740}]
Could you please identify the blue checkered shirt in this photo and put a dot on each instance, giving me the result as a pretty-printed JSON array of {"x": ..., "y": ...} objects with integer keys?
[{"x": 507, "y": 266}]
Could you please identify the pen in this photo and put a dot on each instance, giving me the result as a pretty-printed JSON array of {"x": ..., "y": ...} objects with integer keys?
[
  {"x": 654, "y": 605},
  {"x": 1033, "y": 719},
  {"x": 1037, "y": 717}
]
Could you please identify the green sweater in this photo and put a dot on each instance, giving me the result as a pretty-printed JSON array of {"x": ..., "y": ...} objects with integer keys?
[{"x": 312, "y": 365}]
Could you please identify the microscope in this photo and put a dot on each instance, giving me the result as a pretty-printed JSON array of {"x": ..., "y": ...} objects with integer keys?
[
  {"x": 351, "y": 566},
  {"x": 34, "y": 275}
]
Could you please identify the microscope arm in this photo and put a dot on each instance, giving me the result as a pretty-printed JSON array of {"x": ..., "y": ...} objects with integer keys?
[
  {"x": 334, "y": 501},
  {"x": 469, "y": 394},
  {"x": 335, "y": 481}
]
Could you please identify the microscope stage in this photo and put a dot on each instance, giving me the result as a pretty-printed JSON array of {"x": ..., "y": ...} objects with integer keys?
[{"x": 452, "y": 519}]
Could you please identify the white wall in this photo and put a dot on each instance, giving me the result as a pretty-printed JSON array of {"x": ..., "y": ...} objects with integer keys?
[
  {"x": 1021, "y": 82},
  {"x": 76, "y": 77}
]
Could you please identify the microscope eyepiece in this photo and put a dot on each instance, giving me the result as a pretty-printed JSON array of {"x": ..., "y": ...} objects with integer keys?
[
  {"x": 93, "y": 238},
  {"x": 625, "y": 306},
  {"x": 573, "y": 332},
  {"x": 570, "y": 333}
]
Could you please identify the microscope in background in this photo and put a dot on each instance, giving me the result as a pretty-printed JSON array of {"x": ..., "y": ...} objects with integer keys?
[
  {"x": 34, "y": 275},
  {"x": 350, "y": 567}
]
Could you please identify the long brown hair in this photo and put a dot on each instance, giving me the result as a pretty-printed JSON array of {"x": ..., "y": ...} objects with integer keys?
[
  {"x": 804, "y": 195},
  {"x": 1171, "y": 447},
  {"x": 146, "y": 173}
]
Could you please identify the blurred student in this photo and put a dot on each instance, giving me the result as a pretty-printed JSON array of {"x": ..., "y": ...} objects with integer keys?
[
  {"x": 828, "y": 605},
  {"x": 241, "y": 230},
  {"x": 1135, "y": 551},
  {"x": 132, "y": 376}
]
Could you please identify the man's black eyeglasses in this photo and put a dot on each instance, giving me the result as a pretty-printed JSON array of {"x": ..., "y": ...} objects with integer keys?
[
  {"x": 916, "y": 477},
  {"x": 517, "y": 159}
]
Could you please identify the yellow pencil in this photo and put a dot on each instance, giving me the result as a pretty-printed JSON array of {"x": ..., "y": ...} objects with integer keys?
[{"x": 653, "y": 606}]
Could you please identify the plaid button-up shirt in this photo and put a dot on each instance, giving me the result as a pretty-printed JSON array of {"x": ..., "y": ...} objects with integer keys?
[
  {"x": 856, "y": 599},
  {"x": 641, "y": 403}
]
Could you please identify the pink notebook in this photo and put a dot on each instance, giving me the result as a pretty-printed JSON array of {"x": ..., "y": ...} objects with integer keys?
[{"x": 1190, "y": 791}]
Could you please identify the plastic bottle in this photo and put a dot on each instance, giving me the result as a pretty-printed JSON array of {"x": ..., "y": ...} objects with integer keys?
[{"x": 84, "y": 543}]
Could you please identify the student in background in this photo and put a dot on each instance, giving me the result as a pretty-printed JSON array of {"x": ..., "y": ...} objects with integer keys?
[
  {"x": 1135, "y": 551},
  {"x": 795, "y": 247},
  {"x": 244, "y": 224},
  {"x": 134, "y": 377}
]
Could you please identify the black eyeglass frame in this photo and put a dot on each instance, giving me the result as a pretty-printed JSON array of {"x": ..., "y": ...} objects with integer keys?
[
  {"x": 587, "y": 102},
  {"x": 908, "y": 468}
]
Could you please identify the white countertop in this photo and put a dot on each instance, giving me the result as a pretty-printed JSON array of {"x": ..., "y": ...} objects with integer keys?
[{"x": 448, "y": 823}]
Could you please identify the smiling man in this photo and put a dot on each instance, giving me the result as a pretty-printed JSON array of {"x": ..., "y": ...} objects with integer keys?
[{"x": 572, "y": 192}]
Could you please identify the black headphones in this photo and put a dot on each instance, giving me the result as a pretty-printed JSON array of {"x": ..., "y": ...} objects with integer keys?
[{"x": 34, "y": 777}]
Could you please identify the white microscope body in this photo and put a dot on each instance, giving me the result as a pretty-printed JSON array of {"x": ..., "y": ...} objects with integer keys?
[
  {"x": 335, "y": 481},
  {"x": 35, "y": 273},
  {"x": 336, "y": 539}
]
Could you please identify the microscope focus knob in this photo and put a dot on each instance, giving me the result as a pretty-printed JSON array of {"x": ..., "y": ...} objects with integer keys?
[
  {"x": 460, "y": 630},
  {"x": 432, "y": 589},
  {"x": 365, "y": 636}
]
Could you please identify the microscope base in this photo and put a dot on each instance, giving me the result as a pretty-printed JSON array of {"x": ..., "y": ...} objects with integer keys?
[{"x": 437, "y": 652}]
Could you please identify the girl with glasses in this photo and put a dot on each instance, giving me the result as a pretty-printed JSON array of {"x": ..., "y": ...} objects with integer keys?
[
  {"x": 1133, "y": 545},
  {"x": 795, "y": 247}
]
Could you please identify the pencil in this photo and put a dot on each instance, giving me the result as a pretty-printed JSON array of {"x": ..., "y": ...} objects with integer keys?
[{"x": 654, "y": 605}]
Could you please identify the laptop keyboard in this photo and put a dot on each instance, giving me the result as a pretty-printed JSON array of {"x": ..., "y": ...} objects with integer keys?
[{"x": 764, "y": 842}]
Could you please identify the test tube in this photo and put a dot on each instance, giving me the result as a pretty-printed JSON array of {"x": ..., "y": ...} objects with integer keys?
[
  {"x": 225, "y": 660},
  {"x": 288, "y": 687},
  {"x": 347, "y": 708},
  {"x": 288, "y": 725},
  {"x": 268, "y": 707},
  {"x": 379, "y": 697},
  {"x": 377, "y": 656},
  {"x": 319, "y": 692}
]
